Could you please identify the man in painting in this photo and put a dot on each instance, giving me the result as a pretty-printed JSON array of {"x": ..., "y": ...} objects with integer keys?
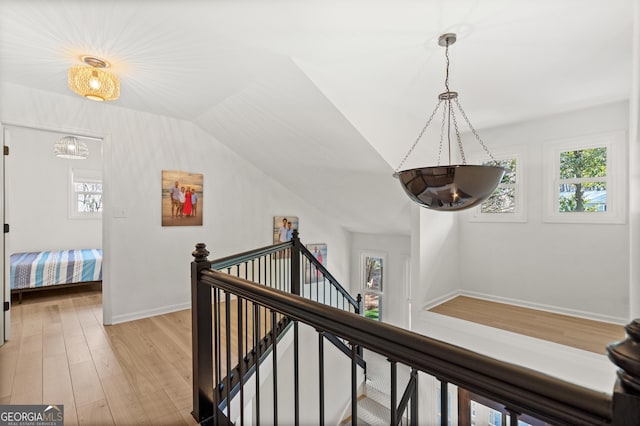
[
  {"x": 289, "y": 232},
  {"x": 175, "y": 200},
  {"x": 194, "y": 202},
  {"x": 282, "y": 232}
]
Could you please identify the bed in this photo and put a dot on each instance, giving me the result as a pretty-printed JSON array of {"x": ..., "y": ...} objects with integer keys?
[{"x": 47, "y": 269}]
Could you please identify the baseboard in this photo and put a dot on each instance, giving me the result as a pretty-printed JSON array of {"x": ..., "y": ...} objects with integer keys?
[
  {"x": 442, "y": 299},
  {"x": 117, "y": 319},
  {"x": 547, "y": 308}
]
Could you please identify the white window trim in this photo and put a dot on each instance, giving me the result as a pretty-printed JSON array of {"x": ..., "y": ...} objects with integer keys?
[
  {"x": 82, "y": 175},
  {"x": 520, "y": 215},
  {"x": 616, "y": 179},
  {"x": 380, "y": 294}
]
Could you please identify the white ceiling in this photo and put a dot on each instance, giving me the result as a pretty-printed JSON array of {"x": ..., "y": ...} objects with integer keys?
[{"x": 342, "y": 87}]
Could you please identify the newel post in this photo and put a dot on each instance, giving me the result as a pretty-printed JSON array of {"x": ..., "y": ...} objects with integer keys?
[
  {"x": 295, "y": 263},
  {"x": 201, "y": 341},
  {"x": 626, "y": 393}
]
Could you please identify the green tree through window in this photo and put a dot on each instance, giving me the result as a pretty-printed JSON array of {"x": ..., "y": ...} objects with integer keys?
[{"x": 583, "y": 180}]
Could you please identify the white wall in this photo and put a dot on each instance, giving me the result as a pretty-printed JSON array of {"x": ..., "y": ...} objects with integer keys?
[
  {"x": 580, "y": 269},
  {"x": 634, "y": 170},
  {"x": 396, "y": 249},
  {"x": 147, "y": 266},
  {"x": 436, "y": 274},
  {"x": 37, "y": 194}
]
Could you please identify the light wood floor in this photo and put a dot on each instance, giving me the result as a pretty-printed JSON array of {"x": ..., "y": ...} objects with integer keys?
[
  {"x": 580, "y": 333},
  {"x": 134, "y": 373}
]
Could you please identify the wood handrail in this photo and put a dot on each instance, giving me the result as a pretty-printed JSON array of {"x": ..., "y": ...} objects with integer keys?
[
  {"x": 334, "y": 282},
  {"x": 521, "y": 389}
]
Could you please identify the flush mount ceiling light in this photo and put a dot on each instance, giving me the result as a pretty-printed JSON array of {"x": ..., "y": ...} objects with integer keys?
[
  {"x": 71, "y": 147},
  {"x": 92, "y": 81},
  {"x": 450, "y": 187}
]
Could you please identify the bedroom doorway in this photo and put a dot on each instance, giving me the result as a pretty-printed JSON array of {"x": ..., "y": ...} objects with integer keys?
[{"x": 53, "y": 206}]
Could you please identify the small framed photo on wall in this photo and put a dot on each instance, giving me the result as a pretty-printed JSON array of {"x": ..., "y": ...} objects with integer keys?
[
  {"x": 283, "y": 227},
  {"x": 181, "y": 198},
  {"x": 319, "y": 251}
]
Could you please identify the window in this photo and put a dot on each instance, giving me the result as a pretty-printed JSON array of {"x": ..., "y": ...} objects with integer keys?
[
  {"x": 506, "y": 204},
  {"x": 495, "y": 418},
  {"x": 585, "y": 180},
  {"x": 85, "y": 198},
  {"x": 372, "y": 284}
]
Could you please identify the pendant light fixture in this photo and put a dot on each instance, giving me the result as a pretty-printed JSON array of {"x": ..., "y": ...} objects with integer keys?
[
  {"x": 70, "y": 147},
  {"x": 92, "y": 81},
  {"x": 451, "y": 187}
]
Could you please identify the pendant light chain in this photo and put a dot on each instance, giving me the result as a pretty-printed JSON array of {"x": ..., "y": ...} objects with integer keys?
[
  {"x": 473, "y": 130},
  {"x": 444, "y": 121},
  {"x": 418, "y": 138},
  {"x": 455, "y": 126},
  {"x": 446, "y": 75}
]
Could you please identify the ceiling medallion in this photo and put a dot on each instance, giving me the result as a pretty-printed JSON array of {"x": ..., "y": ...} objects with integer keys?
[
  {"x": 455, "y": 186},
  {"x": 92, "y": 81}
]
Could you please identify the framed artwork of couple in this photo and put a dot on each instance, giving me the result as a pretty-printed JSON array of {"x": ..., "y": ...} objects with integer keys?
[
  {"x": 181, "y": 198},
  {"x": 311, "y": 274}
]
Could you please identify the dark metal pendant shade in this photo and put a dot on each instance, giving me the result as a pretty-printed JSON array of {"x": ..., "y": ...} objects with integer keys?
[{"x": 450, "y": 188}]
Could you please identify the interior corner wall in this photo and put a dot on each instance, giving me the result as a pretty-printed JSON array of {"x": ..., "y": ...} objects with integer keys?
[
  {"x": 438, "y": 258},
  {"x": 147, "y": 266},
  {"x": 579, "y": 269},
  {"x": 38, "y": 190},
  {"x": 397, "y": 250}
]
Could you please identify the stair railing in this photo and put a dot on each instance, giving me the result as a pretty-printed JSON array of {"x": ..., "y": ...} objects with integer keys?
[
  {"x": 283, "y": 267},
  {"x": 520, "y": 390}
]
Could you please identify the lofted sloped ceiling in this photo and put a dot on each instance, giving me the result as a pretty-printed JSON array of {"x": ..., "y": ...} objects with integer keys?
[
  {"x": 327, "y": 96},
  {"x": 286, "y": 126}
]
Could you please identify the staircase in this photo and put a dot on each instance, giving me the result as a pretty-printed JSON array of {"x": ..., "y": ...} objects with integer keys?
[{"x": 374, "y": 401}]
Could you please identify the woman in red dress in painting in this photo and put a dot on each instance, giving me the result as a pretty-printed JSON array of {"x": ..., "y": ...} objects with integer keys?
[{"x": 187, "y": 203}]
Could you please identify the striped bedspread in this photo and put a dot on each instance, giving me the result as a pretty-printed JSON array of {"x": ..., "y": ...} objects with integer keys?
[{"x": 47, "y": 268}]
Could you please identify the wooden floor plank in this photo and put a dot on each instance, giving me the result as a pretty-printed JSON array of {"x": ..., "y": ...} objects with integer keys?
[
  {"x": 577, "y": 332},
  {"x": 95, "y": 414}
]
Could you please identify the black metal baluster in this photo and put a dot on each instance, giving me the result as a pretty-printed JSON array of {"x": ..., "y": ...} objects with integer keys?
[
  {"x": 296, "y": 379},
  {"x": 274, "y": 354},
  {"x": 241, "y": 370},
  {"x": 331, "y": 294},
  {"x": 256, "y": 346},
  {"x": 321, "y": 374},
  {"x": 444, "y": 403},
  {"x": 414, "y": 399},
  {"x": 245, "y": 355},
  {"x": 216, "y": 334},
  {"x": 227, "y": 385},
  {"x": 394, "y": 393}
]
